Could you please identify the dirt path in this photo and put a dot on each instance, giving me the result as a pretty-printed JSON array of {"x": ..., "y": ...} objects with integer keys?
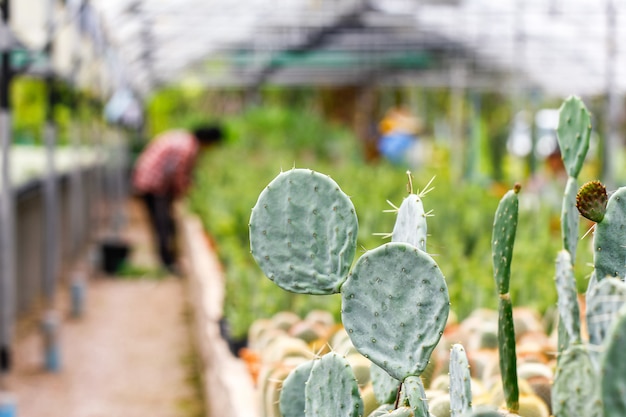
[{"x": 130, "y": 355}]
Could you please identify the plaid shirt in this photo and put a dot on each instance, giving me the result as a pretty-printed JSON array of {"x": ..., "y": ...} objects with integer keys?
[{"x": 166, "y": 164}]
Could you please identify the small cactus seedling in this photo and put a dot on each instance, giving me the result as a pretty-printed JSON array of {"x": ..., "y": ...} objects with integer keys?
[
  {"x": 503, "y": 238},
  {"x": 303, "y": 232}
]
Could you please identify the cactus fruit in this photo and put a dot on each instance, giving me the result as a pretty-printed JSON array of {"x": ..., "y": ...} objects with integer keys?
[
  {"x": 575, "y": 390},
  {"x": 591, "y": 201},
  {"x": 331, "y": 389},
  {"x": 608, "y": 240},
  {"x": 613, "y": 383},
  {"x": 383, "y": 282},
  {"x": 303, "y": 232},
  {"x": 460, "y": 382},
  {"x": 569, "y": 312},
  {"x": 573, "y": 133}
]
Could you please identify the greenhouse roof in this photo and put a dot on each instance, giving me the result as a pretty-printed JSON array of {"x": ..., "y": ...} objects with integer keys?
[{"x": 562, "y": 47}]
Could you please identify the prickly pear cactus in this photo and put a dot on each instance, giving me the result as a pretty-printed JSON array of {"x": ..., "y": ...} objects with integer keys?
[
  {"x": 573, "y": 134},
  {"x": 609, "y": 239},
  {"x": 613, "y": 384},
  {"x": 303, "y": 232},
  {"x": 291, "y": 400},
  {"x": 331, "y": 389},
  {"x": 569, "y": 218},
  {"x": 460, "y": 382},
  {"x": 569, "y": 311},
  {"x": 604, "y": 301},
  {"x": 415, "y": 393},
  {"x": 385, "y": 386},
  {"x": 410, "y": 225},
  {"x": 575, "y": 389},
  {"x": 395, "y": 304},
  {"x": 503, "y": 238}
]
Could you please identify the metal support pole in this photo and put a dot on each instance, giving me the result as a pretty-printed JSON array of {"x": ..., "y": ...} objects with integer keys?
[
  {"x": 7, "y": 209},
  {"x": 51, "y": 249}
]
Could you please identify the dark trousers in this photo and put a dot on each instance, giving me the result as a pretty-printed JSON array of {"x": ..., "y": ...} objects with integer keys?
[{"x": 160, "y": 210}]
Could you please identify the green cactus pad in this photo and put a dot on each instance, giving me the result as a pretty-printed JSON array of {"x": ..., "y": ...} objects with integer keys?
[
  {"x": 414, "y": 390},
  {"x": 503, "y": 238},
  {"x": 604, "y": 301},
  {"x": 402, "y": 412},
  {"x": 291, "y": 400},
  {"x": 395, "y": 304},
  {"x": 613, "y": 383},
  {"x": 382, "y": 411},
  {"x": 569, "y": 218},
  {"x": 385, "y": 386},
  {"x": 508, "y": 357},
  {"x": 410, "y": 226},
  {"x": 460, "y": 382},
  {"x": 569, "y": 311},
  {"x": 575, "y": 390},
  {"x": 331, "y": 389},
  {"x": 609, "y": 239},
  {"x": 303, "y": 232},
  {"x": 591, "y": 201},
  {"x": 483, "y": 413},
  {"x": 573, "y": 134}
]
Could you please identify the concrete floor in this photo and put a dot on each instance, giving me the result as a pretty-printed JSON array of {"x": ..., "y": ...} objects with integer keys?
[{"x": 130, "y": 354}]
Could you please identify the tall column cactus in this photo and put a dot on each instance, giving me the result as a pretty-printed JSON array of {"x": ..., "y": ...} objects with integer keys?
[{"x": 503, "y": 238}]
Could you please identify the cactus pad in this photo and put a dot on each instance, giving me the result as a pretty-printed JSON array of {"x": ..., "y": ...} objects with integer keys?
[
  {"x": 604, "y": 301},
  {"x": 591, "y": 200},
  {"x": 569, "y": 311},
  {"x": 410, "y": 226},
  {"x": 395, "y": 304},
  {"x": 385, "y": 386},
  {"x": 575, "y": 389},
  {"x": 569, "y": 218},
  {"x": 303, "y": 232},
  {"x": 291, "y": 400},
  {"x": 460, "y": 382},
  {"x": 613, "y": 384},
  {"x": 508, "y": 358},
  {"x": 609, "y": 240},
  {"x": 503, "y": 237},
  {"x": 573, "y": 134},
  {"x": 414, "y": 389},
  {"x": 331, "y": 389}
]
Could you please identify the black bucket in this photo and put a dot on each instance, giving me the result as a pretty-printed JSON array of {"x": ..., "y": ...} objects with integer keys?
[{"x": 113, "y": 255}]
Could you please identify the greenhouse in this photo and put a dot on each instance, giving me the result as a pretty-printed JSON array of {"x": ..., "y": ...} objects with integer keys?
[{"x": 301, "y": 208}]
